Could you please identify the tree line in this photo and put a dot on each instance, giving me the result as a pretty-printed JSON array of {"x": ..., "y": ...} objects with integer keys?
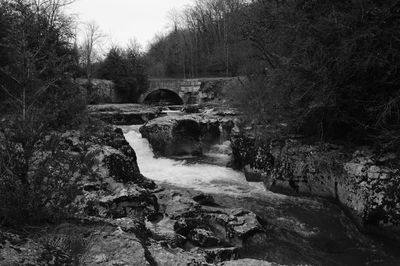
[
  {"x": 328, "y": 69},
  {"x": 204, "y": 41}
]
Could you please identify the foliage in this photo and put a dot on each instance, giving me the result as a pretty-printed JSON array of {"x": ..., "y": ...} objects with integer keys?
[
  {"x": 330, "y": 69},
  {"x": 126, "y": 69},
  {"x": 35, "y": 49}
]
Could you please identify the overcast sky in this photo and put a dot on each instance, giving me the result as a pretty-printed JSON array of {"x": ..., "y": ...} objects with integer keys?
[{"x": 122, "y": 20}]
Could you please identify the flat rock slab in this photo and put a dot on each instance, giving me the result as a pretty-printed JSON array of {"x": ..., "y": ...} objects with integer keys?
[
  {"x": 248, "y": 262},
  {"x": 124, "y": 114},
  {"x": 115, "y": 248},
  {"x": 175, "y": 257}
]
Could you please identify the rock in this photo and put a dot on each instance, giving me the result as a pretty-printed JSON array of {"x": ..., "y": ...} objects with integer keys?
[
  {"x": 111, "y": 183},
  {"x": 191, "y": 109},
  {"x": 15, "y": 250},
  {"x": 124, "y": 114},
  {"x": 204, "y": 199},
  {"x": 255, "y": 159},
  {"x": 211, "y": 224},
  {"x": 366, "y": 183},
  {"x": 203, "y": 237},
  {"x": 215, "y": 255},
  {"x": 163, "y": 231},
  {"x": 248, "y": 262},
  {"x": 234, "y": 227},
  {"x": 173, "y": 136},
  {"x": 175, "y": 256},
  {"x": 115, "y": 248},
  {"x": 187, "y": 134}
]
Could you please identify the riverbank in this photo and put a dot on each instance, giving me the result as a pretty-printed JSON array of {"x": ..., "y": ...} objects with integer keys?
[
  {"x": 317, "y": 229},
  {"x": 154, "y": 210},
  {"x": 114, "y": 212}
]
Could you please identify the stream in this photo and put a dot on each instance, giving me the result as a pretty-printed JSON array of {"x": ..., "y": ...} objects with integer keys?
[{"x": 301, "y": 230}]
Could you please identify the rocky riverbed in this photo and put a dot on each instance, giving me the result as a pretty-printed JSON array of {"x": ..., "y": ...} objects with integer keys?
[
  {"x": 123, "y": 218},
  {"x": 136, "y": 206}
]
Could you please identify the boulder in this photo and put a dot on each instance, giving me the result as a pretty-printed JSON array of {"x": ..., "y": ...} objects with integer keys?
[
  {"x": 254, "y": 158},
  {"x": 203, "y": 238},
  {"x": 115, "y": 248},
  {"x": 175, "y": 256},
  {"x": 204, "y": 199},
  {"x": 16, "y": 250},
  {"x": 187, "y": 134},
  {"x": 108, "y": 175},
  {"x": 215, "y": 255}
]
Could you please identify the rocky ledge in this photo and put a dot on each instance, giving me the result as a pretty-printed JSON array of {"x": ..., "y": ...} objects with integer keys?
[
  {"x": 124, "y": 114},
  {"x": 186, "y": 134},
  {"x": 122, "y": 218},
  {"x": 366, "y": 183}
]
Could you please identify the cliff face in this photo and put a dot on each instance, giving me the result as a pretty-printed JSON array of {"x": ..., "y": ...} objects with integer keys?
[{"x": 366, "y": 183}]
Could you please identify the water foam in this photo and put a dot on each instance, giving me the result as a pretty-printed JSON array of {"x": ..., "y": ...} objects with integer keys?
[{"x": 204, "y": 177}]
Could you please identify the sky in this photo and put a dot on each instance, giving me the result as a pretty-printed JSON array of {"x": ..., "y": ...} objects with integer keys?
[{"x": 122, "y": 20}]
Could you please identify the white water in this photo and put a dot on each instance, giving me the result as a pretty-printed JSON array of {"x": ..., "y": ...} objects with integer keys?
[
  {"x": 204, "y": 177},
  {"x": 305, "y": 222}
]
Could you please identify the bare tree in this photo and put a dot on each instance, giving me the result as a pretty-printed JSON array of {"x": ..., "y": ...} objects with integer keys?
[
  {"x": 134, "y": 47},
  {"x": 93, "y": 38}
]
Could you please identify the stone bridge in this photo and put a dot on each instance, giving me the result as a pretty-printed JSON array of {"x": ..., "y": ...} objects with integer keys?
[{"x": 181, "y": 91}]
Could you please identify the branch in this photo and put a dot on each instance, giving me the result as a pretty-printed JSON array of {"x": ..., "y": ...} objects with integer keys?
[
  {"x": 40, "y": 91},
  {"x": 10, "y": 76},
  {"x": 12, "y": 96}
]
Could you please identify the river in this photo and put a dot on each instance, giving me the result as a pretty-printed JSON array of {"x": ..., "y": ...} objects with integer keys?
[{"x": 302, "y": 231}]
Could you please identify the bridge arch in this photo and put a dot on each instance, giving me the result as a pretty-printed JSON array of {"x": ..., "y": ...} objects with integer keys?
[{"x": 162, "y": 96}]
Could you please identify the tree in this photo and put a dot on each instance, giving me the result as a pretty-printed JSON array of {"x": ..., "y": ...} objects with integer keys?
[
  {"x": 36, "y": 57},
  {"x": 330, "y": 69},
  {"x": 36, "y": 49},
  {"x": 93, "y": 37},
  {"x": 203, "y": 40},
  {"x": 126, "y": 68}
]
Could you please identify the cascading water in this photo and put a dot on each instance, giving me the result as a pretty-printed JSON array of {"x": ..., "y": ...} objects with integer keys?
[
  {"x": 307, "y": 230},
  {"x": 204, "y": 177}
]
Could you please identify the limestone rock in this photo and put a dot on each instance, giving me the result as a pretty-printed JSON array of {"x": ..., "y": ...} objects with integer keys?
[
  {"x": 124, "y": 114},
  {"x": 248, "y": 262},
  {"x": 187, "y": 134},
  {"x": 367, "y": 183},
  {"x": 175, "y": 256},
  {"x": 15, "y": 250},
  {"x": 215, "y": 255},
  {"x": 203, "y": 237},
  {"x": 204, "y": 199},
  {"x": 115, "y": 248}
]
